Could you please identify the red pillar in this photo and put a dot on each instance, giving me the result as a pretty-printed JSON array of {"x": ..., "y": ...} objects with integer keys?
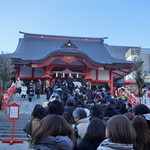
[
  {"x": 96, "y": 74},
  {"x": 111, "y": 82},
  {"x": 32, "y": 73},
  {"x": 17, "y": 71}
]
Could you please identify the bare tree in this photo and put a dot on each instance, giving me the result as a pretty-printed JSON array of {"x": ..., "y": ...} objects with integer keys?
[{"x": 6, "y": 70}]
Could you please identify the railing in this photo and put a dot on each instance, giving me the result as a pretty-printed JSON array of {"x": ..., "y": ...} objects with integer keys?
[
  {"x": 132, "y": 99},
  {"x": 7, "y": 96}
]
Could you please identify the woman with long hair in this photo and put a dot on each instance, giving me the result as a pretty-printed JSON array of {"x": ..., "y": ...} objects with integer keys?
[
  {"x": 54, "y": 133},
  {"x": 94, "y": 135},
  {"x": 140, "y": 126},
  {"x": 38, "y": 113},
  {"x": 119, "y": 133}
]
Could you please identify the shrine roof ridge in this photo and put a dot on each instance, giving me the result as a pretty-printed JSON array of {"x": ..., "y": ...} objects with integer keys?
[{"x": 61, "y": 37}]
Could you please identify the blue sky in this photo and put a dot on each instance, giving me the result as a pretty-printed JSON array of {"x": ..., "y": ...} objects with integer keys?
[{"x": 124, "y": 22}]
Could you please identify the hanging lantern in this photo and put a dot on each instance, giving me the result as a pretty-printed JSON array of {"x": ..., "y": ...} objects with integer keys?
[
  {"x": 56, "y": 74},
  {"x": 63, "y": 75},
  {"x": 77, "y": 75},
  {"x": 69, "y": 74}
]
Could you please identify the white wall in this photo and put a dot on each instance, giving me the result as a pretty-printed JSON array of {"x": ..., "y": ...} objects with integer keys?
[
  {"x": 103, "y": 75},
  {"x": 93, "y": 74}
]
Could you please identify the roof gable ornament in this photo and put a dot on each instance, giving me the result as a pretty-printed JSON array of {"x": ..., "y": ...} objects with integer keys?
[{"x": 69, "y": 44}]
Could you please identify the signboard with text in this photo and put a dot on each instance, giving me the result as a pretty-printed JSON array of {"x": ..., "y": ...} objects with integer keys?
[{"x": 14, "y": 111}]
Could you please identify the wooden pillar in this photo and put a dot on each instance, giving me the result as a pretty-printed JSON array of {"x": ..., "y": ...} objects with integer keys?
[
  {"x": 17, "y": 71},
  {"x": 111, "y": 82},
  {"x": 32, "y": 73}
]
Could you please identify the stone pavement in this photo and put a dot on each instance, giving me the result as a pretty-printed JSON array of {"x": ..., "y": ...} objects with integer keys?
[
  {"x": 15, "y": 146},
  {"x": 26, "y": 107}
]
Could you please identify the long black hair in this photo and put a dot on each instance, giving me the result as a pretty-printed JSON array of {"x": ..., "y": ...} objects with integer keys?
[{"x": 95, "y": 131}]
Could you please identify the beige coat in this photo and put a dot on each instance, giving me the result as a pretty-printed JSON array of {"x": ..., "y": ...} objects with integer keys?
[
  {"x": 35, "y": 124},
  {"x": 82, "y": 125}
]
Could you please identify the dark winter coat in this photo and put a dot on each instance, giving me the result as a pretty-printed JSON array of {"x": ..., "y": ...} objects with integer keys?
[
  {"x": 88, "y": 145},
  {"x": 69, "y": 109},
  {"x": 53, "y": 143}
]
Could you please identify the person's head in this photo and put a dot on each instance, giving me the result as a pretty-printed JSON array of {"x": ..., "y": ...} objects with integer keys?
[
  {"x": 23, "y": 84},
  {"x": 140, "y": 109},
  {"x": 123, "y": 89},
  {"x": 39, "y": 112},
  {"x": 54, "y": 125},
  {"x": 109, "y": 112},
  {"x": 95, "y": 130},
  {"x": 79, "y": 113},
  {"x": 119, "y": 130},
  {"x": 118, "y": 104},
  {"x": 31, "y": 84},
  {"x": 97, "y": 112},
  {"x": 37, "y": 105},
  {"x": 56, "y": 107},
  {"x": 70, "y": 101},
  {"x": 79, "y": 104},
  {"x": 108, "y": 93},
  {"x": 55, "y": 97},
  {"x": 123, "y": 109},
  {"x": 112, "y": 103},
  {"x": 129, "y": 105},
  {"x": 141, "y": 128},
  {"x": 123, "y": 106}
]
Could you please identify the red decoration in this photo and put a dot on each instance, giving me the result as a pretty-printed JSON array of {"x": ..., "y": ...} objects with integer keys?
[
  {"x": 46, "y": 76},
  {"x": 88, "y": 78},
  {"x": 68, "y": 60}
]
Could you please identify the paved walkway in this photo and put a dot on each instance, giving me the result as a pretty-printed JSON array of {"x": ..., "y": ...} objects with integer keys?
[
  {"x": 26, "y": 107},
  {"x": 15, "y": 146}
]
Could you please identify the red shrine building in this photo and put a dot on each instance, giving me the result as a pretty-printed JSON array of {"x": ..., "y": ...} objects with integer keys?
[{"x": 61, "y": 57}]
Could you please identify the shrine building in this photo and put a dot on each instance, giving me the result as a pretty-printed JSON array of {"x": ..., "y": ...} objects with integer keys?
[{"x": 60, "y": 57}]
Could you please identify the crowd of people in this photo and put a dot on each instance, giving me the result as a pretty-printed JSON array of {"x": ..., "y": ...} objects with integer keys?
[
  {"x": 33, "y": 88},
  {"x": 80, "y": 118}
]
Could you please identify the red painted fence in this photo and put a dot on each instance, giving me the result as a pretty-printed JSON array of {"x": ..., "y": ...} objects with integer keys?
[
  {"x": 7, "y": 96},
  {"x": 132, "y": 98}
]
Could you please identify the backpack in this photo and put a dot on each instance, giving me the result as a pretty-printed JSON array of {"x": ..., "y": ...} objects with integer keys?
[{"x": 28, "y": 129}]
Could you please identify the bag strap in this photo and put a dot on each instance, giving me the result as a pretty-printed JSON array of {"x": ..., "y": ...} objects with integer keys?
[
  {"x": 76, "y": 135},
  {"x": 76, "y": 132}
]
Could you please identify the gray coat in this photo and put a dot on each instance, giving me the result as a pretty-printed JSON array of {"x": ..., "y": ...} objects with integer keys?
[
  {"x": 108, "y": 145},
  {"x": 53, "y": 143}
]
